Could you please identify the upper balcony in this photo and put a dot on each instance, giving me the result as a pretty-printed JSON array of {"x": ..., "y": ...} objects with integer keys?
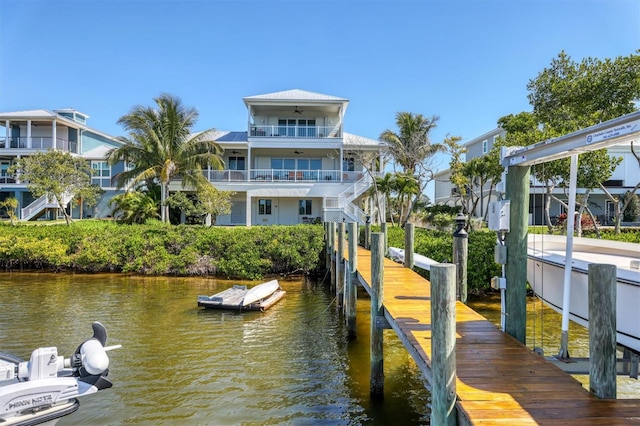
[
  {"x": 295, "y": 131},
  {"x": 38, "y": 143},
  {"x": 295, "y": 114}
]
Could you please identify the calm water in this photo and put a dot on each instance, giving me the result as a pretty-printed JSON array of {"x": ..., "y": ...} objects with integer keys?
[{"x": 182, "y": 365}]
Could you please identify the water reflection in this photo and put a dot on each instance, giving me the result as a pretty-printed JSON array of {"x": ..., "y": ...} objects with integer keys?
[{"x": 182, "y": 365}]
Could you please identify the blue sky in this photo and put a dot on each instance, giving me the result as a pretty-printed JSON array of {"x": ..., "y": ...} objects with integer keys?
[{"x": 467, "y": 62}]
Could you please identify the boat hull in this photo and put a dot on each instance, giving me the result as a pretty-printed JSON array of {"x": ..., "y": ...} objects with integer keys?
[
  {"x": 545, "y": 274},
  {"x": 261, "y": 291}
]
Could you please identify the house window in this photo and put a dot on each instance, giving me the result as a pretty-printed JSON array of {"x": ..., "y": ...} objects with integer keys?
[
  {"x": 485, "y": 146},
  {"x": 304, "y": 207},
  {"x": 302, "y": 127},
  {"x": 4, "y": 166},
  {"x": 264, "y": 206},
  {"x": 307, "y": 128},
  {"x": 101, "y": 173},
  {"x": 348, "y": 164},
  {"x": 236, "y": 163}
]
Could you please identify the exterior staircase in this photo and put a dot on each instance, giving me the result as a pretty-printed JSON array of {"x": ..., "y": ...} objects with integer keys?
[
  {"x": 341, "y": 208},
  {"x": 41, "y": 205}
]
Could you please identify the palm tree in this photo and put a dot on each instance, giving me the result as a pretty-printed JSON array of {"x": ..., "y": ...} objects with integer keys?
[
  {"x": 412, "y": 145},
  {"x": 411, "y": 148},
  {"x": 160, "y": 147},
  {"x": 381, "y": 190},
  {"x": 406, "y": 186}
]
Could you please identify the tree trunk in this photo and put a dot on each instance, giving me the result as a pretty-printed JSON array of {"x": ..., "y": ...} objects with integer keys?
[
  {"x": 547, "y": 206},
  {"x": 164, "y": 209},
  {"x": 595, "y": 222},
  {"x": 583, "y": 206},
  {"x": 67, "y": 218}
]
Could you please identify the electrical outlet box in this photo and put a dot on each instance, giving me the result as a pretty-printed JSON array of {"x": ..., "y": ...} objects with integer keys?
[
  {"x": 499, "y": 215},
  {"x": 498, "y": 283}
]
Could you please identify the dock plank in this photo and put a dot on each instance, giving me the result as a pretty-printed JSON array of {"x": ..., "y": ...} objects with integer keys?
[{"x": 499, "y": 380}]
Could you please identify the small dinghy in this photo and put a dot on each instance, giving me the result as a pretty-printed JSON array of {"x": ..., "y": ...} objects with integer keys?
[
  {"x": 419, "y": 260},
  {"x": 239, "y": 297},
  {"x": 45, "y": 388}
]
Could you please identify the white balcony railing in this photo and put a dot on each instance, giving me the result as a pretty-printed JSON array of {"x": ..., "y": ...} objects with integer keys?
[
  {"x": 38, "y": 143},
  {"x": 303, "y": 132},
  {"x": 278, "y": 175}
]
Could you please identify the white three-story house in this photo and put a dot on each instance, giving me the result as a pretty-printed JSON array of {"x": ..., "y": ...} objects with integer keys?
[{"x": 295, "y": 163}]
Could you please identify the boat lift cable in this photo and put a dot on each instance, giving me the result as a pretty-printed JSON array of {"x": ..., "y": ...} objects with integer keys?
[
  {"x": 328, "y": 306},
  {"x": 535, "y": 313},
  {"x": 310, "y": 320}
]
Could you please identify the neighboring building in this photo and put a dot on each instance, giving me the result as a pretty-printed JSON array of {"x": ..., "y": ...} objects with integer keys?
[
  {"x": 27, "y": 132},
  {"x": 294, "y": 163},
  {"x": 624, "y": 178},
  {"x": 447, "y": 193}
]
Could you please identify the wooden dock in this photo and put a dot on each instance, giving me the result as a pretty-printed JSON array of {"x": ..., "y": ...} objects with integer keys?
[{"x": 499, "y": 380}]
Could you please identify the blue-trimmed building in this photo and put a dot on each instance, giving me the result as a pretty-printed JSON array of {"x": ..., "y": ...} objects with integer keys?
[{"x": 27, "y": 132}]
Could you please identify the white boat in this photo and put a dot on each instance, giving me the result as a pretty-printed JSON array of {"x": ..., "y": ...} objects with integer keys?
[
  {"x": 45, "y": 388},
  {"x": 419, "y": 260},
  {"x": 260, "y": 297},
  {"x": 545, "y": 273},
  {"x": 260, "y": 292}
]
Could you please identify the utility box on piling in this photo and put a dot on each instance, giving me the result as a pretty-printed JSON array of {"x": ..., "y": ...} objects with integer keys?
[{"x": 499, "y": 216}]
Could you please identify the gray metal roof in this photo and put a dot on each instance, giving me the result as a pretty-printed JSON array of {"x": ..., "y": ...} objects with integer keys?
[
  {"x": 294, "y": 95},
  {"x": 355, "y": 140},
  {"x": 34, "y": 113}
]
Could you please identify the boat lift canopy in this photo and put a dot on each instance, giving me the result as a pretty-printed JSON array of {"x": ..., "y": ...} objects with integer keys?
[
  {"x": 609, "y": 133},
  {"x": 613, "y": 132}
]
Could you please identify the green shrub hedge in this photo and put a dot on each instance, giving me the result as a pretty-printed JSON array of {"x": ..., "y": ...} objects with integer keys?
[
  {"x": 438, "y": 245},
  {"x": 160, "y": 249}
]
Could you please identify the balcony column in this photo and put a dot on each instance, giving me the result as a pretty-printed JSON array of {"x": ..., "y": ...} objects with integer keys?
[
  {"x": 7, "y": 128},
  {"x": 341, "y": 163},
  {"x": 29, "y": 134},
  {"x": 53, "y": 134},
  {"x": 248, "y": 165},
  {"x": 248, "y": 211}
]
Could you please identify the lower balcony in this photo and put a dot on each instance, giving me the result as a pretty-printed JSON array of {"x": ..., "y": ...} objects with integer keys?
[{"x": 277, "y": 175}]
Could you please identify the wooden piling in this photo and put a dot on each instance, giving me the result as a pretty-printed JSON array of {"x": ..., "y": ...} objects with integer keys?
[
  {"x": 351, "y": 290},
  {"x": 377, "y": 287},
  {"x": 340, "y": 266},
  {"x": 385, "y": 246},
  {"x": 517, "y": 192},
  {"x": 327, "y": 247},
  {"x": 602, "y": 330},
  {"x": 409, "y": 235},
  {"x": 443, "y": 347},
  {"x": 332, "y": 244},
  {"x": 460, "y": 251},
  {"x": 367, "y": 235}
]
